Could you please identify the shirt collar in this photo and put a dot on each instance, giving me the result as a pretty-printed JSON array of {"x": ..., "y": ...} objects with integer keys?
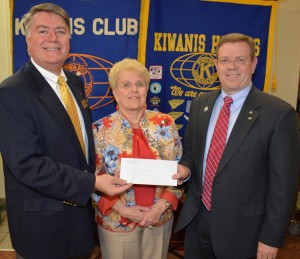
[
  {"x": 50, "y": 77},
  {"x": 242, "y": 94}
]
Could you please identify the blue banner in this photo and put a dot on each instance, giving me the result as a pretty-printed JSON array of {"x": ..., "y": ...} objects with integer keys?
[
  {"x": 180, "y": 50},
  {"x": 103, "y": 32},
  {"x": 175, "y": 39}
]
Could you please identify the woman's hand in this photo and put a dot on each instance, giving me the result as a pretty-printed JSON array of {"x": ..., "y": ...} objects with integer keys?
[
  {"x": 133, "y": 213},
  {"x": 182, "y": 173},
  {"x": 152, "y": 216}
]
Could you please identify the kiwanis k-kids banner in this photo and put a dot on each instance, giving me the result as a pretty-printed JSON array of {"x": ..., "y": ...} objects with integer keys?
[{"x": 175, "y": 39}]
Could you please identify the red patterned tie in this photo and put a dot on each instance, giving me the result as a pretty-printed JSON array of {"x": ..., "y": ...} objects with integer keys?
[{"x": 215, "y": 151}]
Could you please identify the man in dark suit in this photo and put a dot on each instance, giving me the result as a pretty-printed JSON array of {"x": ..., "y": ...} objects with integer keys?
[
  {"x": 49, "y": 175},
  {"x": 254, "y": 185}
]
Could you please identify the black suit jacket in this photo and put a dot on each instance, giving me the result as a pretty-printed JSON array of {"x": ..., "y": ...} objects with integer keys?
[
  {"x": 255, "y": 184},
  {"x": 48, "y": 181}
]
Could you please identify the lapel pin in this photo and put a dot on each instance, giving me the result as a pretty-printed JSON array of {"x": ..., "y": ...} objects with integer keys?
[
  {"x": 250, "y": 115},
  {"x": 84, "y": 103},
  {"x": 205, "y": 109}
]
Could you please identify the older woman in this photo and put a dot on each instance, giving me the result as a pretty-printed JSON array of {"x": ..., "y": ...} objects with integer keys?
[{"x": 138, "y": 223}]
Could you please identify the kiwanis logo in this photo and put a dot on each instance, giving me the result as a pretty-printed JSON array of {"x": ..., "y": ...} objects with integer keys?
[
  {"x": 94, "y": 73},
  {"x": 196, "y": 70}
]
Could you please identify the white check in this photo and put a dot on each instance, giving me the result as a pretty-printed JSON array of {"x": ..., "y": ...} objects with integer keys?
[{"x": 148, "y": 171}]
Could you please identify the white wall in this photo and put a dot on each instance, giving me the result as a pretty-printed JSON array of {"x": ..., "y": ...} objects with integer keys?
[
  {"x": 5, "y": 57},
  {"x": 288, "y": 53},
  {"x": 5, "y": 52},
  {"x": 288, "y": 63}
]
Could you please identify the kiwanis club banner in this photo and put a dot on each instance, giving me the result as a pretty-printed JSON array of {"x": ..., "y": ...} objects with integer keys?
[
  {"x": 175, "y": 39},
  {"x": 103, "y": 32},
  {"x": 181, "y": 41}
]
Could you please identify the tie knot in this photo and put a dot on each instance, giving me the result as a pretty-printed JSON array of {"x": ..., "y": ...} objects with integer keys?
[
  {"x": 61, "y": 81},
  {"x": 228, "y": 100}
]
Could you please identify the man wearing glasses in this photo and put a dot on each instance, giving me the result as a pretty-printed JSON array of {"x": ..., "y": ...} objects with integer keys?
[{"x": 242, "y": 149}]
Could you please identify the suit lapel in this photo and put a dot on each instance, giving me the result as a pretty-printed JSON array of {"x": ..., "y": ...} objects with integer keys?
[
  {"x": 203, "y": 119},
  {"x": 247, "y": 117},
  {"x": 206, "y": 109},
  {"x": 85, "y": 111},
  {"x": 54, "y": 105}
]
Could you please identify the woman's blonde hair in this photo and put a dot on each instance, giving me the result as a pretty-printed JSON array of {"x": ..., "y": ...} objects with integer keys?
[{"x": 131, "y": 65}]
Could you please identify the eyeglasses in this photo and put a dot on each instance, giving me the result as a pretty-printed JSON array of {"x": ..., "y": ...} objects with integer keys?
[
  {"x": 237, "y": 61},
  {"x": 128, "y": 85}
]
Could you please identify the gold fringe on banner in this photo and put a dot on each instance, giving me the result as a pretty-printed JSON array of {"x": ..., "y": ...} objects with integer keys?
[
  {"x": 11, "y": 7},
  {"x": 144, "y": 17},
  {"x": 273, "y": 27},
  {"x": 274, "y": 79},
  {"x": 274, "y": 83}
]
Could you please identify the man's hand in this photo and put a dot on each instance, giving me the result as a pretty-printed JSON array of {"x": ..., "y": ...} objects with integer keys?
[
  {"x": 182, "y": 173},
  {"x": 110, "y": 185},
  {"x": 266, "y": 252}
]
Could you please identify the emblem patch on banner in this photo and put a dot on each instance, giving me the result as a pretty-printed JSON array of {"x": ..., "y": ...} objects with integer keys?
[
  {"x": 155, "y": 101},
  {"x": 175, "y": 103},
  {"x": 155, "y": 72},
  {"x": 196, "y": 70},
  {"x": 155, "y": 88}
]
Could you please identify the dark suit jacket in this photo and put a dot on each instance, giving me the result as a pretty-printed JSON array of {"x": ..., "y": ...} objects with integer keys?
[
  {"x": 255, "y": 185},
  {"x": 47, "y": 179}
]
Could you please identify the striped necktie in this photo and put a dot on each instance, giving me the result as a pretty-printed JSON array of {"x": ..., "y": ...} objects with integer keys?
[{"x": 215, "y": 151}]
